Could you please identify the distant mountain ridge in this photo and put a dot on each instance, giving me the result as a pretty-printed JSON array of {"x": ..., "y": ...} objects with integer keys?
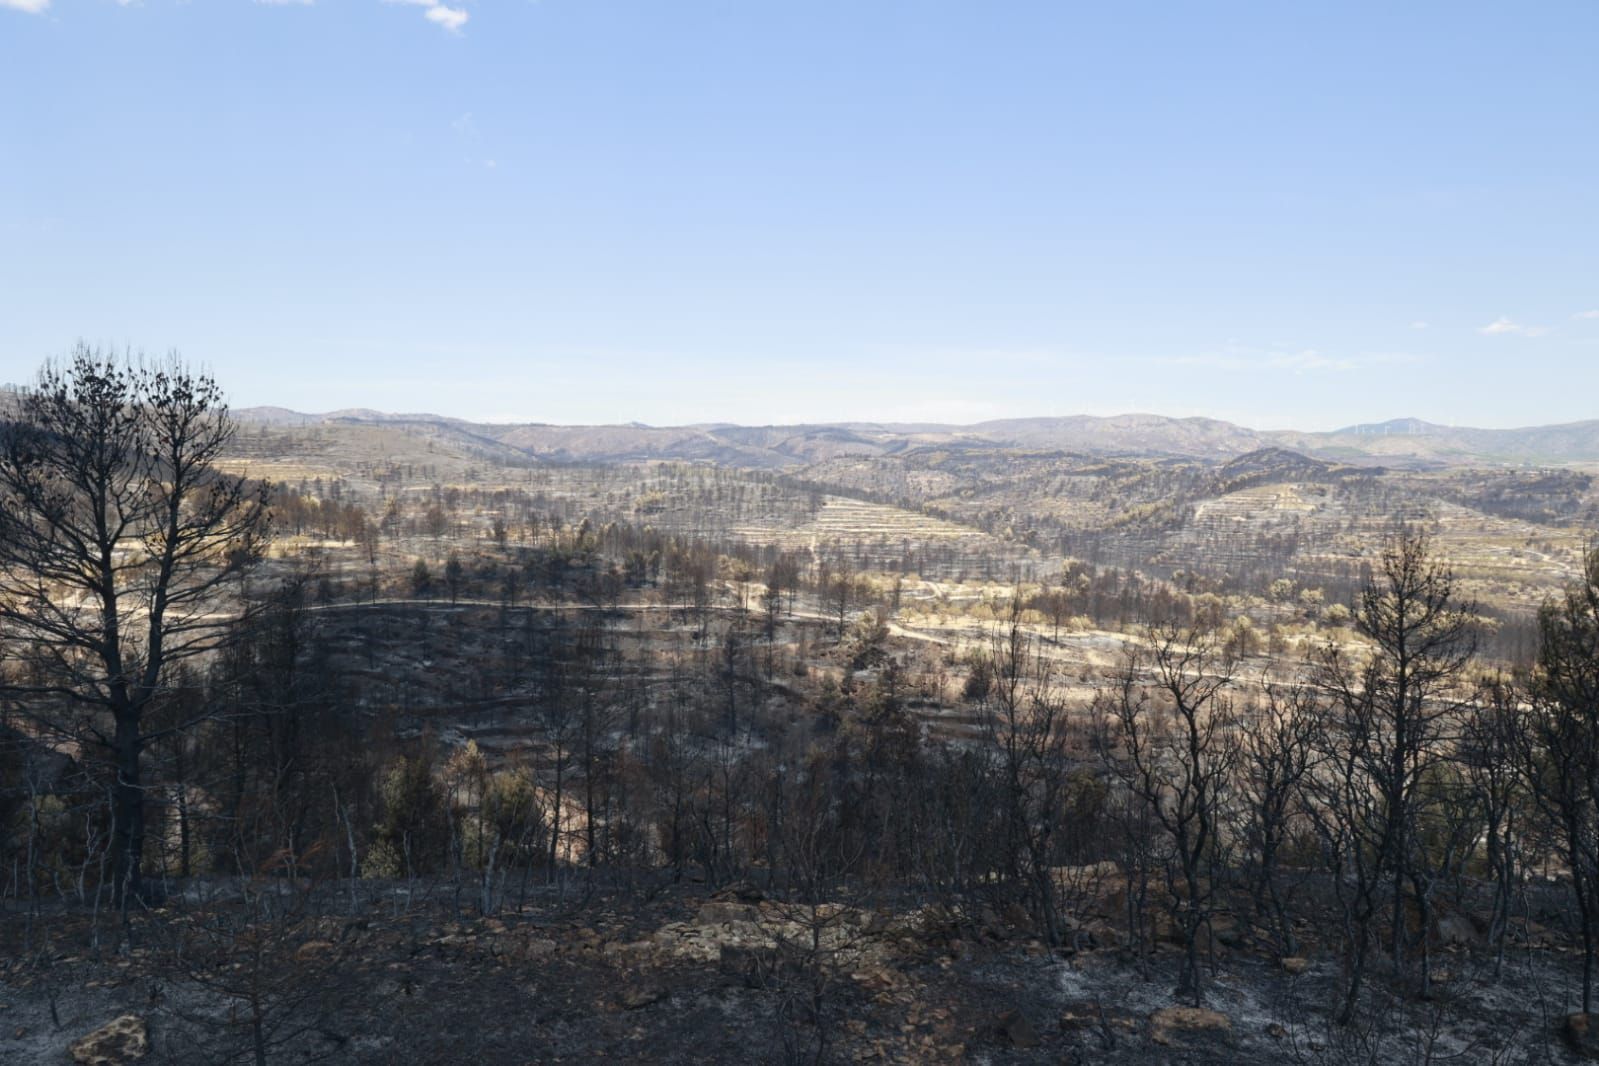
[
  {"x": 1398, "y": 442},
  {"x": 1403, "y": 426}
]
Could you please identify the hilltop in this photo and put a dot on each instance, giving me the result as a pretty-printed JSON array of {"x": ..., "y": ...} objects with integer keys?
[{"x": 1402, "y": 442}]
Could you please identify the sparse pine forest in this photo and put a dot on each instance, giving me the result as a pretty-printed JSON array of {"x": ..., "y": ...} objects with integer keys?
[{"x": 368, "y": 740}]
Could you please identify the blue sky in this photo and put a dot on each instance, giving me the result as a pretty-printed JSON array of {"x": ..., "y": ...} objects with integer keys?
[{"x": 760, "y": 210}]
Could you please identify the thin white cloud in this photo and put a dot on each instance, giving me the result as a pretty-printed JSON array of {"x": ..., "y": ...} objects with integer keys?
[
  {"x": 1504, "y": 327},
  {"x": 450, "y": 18},
  {"x": 1309, "y": 359},
  {"x": 29, "y": 7},
  {"x": 1419, "y": 324},
  {"x": 1586, "y": 314}
]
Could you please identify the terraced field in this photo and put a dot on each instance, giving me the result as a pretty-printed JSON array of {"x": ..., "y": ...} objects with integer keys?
[{"x": 880, "y": 537}]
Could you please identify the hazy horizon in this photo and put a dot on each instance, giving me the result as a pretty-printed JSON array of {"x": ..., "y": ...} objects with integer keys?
[{"x": 354, "y": 409}]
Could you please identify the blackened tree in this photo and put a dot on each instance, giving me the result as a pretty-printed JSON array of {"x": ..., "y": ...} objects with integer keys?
[{"x": 118, "y": 537}]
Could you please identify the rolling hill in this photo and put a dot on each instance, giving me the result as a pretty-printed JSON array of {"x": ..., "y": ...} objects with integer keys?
[{"x": 1403, "y": 442}]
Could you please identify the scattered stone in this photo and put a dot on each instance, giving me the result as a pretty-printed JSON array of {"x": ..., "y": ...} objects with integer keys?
[
  {"x": 722, "y": 913},
  {"x": 540, "y": 948},
  {"x": 1017, "y": 918},
  {"x": 1014, "y": 1027},
  {"x": 636, "y": 996},
  {"x": 1456, "y": 930},
  {"x": 1078, "y": 1019},
  {"x": 742, "y": 891},
  {"x": 121, "y": 1040},
  {"x": 1168, "y": 1024},
  {"x": 1295, "y": 964},
  {"x": 311, "y": 949},
  {"x": 754, "y": 966},
  {"x": 1579, "y": 1033},
  {"x": 876, "y": 979}
]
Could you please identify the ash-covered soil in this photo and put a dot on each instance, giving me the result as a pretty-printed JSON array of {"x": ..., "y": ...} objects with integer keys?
[{"x": 692, "y": 976}]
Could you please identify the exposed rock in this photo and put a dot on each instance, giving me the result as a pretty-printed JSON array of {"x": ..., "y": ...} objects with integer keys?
[
  {"x": 1579, "y": 1033},
  {"x": 1014, "y": 1027},
  {"x": 1078, "y": 1018},
  {"x": 121, "y": 1040},
  {"x": 539, "y": 948},
  {"x": 754, "y": 966},
  {"x": 636, "y": 996},
  {"x": 1456, "y": 930},
  {"x": 1169, "y": 1024},
  {"x": 312, "y": 949},
  {"x": 1220, "y": 928},
  {"x": 1018, "y": 919},
  {"x": 742, "y": 891},
  {"x": 721, "y": 913},
  {"x": 1295, "y": 964},
  {"x": 876, "y": 979}
]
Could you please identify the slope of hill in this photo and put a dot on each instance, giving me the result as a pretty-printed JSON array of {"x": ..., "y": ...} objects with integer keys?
[
  {"x": 1573, "y": 442},
  {"x": 1401, "y": 442}
]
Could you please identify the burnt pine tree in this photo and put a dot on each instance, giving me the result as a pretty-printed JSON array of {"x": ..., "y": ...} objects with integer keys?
[
  {"x": 1393, "y": 713},
  {"x": 1174, "y": 728},
  {"x": 1562, "y": 761},
  {"x": 117, "y": 536}
]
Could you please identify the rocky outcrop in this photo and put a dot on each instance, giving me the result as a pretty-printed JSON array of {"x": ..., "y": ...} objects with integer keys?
[{"x": 119, "y": 1041}]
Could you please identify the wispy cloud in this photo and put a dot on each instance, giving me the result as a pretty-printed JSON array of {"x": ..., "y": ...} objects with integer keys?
[
  {"x": 1504, "y": 327},
  {"x": 1586, "y": 314},
  {"x": 31, "y": 7},
  {"x": 1419, "y": 324},
  {"x": 451, "y": 18}
]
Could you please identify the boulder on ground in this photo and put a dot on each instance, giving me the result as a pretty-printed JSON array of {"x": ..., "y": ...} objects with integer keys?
[
  {"x": 1015, "y": 1028},
  {"x": 120, "y": 1040},
  {"x": 742, "y": 891},
  {"x": 1170, "y": 1025},
  {"x": 634, "y": 997},
  {"x": 718, "y": 912},
  {"x": 312, "y": 949}
]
